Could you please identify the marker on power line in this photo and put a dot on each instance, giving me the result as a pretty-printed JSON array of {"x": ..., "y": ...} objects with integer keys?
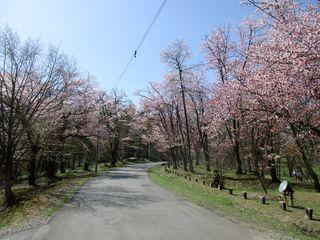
[{"x": 141, "y": 42}]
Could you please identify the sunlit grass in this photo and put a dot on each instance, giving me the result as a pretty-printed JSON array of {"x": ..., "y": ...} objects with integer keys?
[{"x": 264, "y": 217}]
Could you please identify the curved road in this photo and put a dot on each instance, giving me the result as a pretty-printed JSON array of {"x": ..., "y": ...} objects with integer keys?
[{"x": 125, "y": 204}]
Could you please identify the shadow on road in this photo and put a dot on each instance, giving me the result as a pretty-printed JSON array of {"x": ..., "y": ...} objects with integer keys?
[{"x": 113, "y": 190}]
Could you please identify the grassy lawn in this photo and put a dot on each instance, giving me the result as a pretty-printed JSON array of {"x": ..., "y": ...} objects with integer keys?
[
  {"x": 251, "y": 212},
  {"x": 38, "y": 204}
]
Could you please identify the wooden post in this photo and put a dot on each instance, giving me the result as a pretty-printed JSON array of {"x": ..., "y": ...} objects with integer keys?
[
  {"x": 283, "y": 205},
  {"x": 211, "y": 184},
  {"x": 262, "y": 199},
  {"x": 245, "y": 195},
  {"x": 309, "y": 213},
  {"x": 219, "y": 187}
]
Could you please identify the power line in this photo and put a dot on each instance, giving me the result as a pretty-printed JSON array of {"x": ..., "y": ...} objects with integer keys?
[
  {"x": 125, "y": 69},
  {"x": 151, "y": 24},
  {"x": 141, "y": 42}
]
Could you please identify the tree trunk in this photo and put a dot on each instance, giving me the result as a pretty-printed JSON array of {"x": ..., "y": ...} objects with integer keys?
[
  {"x": 86, "y": 166},
  {"x": 80, "y": 159},
  {"x": 32, "y": 172},
  {"x": 184, "y": 160},
  {"x": 51, "y": 169},
  {"x": 256, "y": 153},
  {"x": 115, "y": 152},
  {"x": 236, "y": 147},
  {"x": 73, "y": 165},
  {"x": 289, "y": 165},
  {"x": 8, "y": 183},
  {"x": 114, "y": 159},
  {"x": 32, "y": 167},
  {"x": 205, "y": 147},
  {"x": 188, "y": 150},
  {"x": 97, "y": 158},
  {"x": 62, "y": 166},
  {"x": 256, "y": 159},
  {"x": 306, "y": 160},
  {"x": 173, "y": 158},
  {"x": 309, "y": 168},
  {"x": 237, "y": 157},
  {"x": 197, "y": 157},
  {"x": 182, "y": 150},
  {"x": 273, "y": 172}
]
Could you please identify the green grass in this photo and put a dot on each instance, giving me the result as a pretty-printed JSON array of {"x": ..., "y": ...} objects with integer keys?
[{"x": 251, "y": 212}]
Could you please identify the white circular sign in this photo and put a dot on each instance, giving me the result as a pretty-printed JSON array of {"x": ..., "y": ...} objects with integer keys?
[{"x": 283, "y": 186}]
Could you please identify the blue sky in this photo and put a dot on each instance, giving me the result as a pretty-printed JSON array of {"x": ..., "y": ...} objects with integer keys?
[{"x": 103, "y": 34}]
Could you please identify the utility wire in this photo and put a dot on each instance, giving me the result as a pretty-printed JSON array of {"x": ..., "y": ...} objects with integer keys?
[
  {"x": 125, "y": 69},
  {"x": 151, "y": 25},
  {"x": 141, "y": 42}
]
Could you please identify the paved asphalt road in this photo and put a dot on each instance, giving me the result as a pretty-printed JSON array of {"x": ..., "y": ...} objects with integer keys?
[{"x": 125, "y": 204}]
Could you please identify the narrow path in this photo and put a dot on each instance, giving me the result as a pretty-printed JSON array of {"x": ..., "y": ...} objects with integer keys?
[{"x": 125, "y": 204}]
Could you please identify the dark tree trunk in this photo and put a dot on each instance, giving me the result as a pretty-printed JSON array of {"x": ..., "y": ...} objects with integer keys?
[
  {"x": 237, "y": 157},
  {"x": 173, "y": 158},
  {"x": 32, "y": 173},
  {"x": 8, "y": 183},
  {"x": 273, "y": 172},
  {"x": 309, "y": 168},
  {"x": 73, "y": 166},
  {"x": 188, "y": 146},
  {"x": 205, "y": 147},
  {"x": 184, "y": 160},
  {"x": 290, "y": 165},
  {"x": 182, "y": 150},
  {"x": 169, "y": 158},
  {"x": 237, "y": 146},
  {"x": 271, "y": 163},
  {"x": 256, "y": 159},
  {"x": 306, "y": 160},
  {"x": 86, "y": 166},
  {"x": 32, "y": 167},
  {"x": 51, "y": 169},
  {"x": 62, "y": 166},
  {"x": 234, "y": 137},
  {"x": 80, "y": 158},
  {"x": 197, "y": 157},
  {"x": 115, "y": 152},
  {"x": 256, "y": 153}
]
